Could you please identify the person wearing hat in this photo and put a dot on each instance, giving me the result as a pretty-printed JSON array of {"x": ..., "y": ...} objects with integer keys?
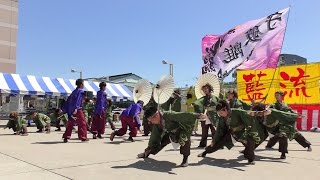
[
  {"x": 129, "y": 118},
  {"x": 99, "y": 118},
  {"x": 17, "y": 124},
  {"x": 169, "y": 127},
  {"x": 73, "y": 107},
  {"x": 42, "y": 121},
  {"x": 281, "y": 106}
]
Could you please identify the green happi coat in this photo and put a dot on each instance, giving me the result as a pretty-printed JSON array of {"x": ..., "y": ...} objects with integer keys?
[
  {"x": 222, "y": 129},
  {"x": 243, "y": 126},
  {"x": 238, "y": 104},
  {"x": 209, "y": 103},
  {"x": 41, "y": 120},
  {"x": 178, "y": 125},
  {"x": 108, "y": 112},
  {"x": 16, "y": 124},
  {"x": 88, "y": 109},
  {"x": 175, "y": 104},
  {"x": 54, "y": 118},
  {"x": 281, "y": 123},
  {"x": 281, "y": 107}
]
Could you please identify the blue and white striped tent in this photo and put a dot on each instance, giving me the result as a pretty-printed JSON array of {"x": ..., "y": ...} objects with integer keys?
[{"x": 32, "y": 85}]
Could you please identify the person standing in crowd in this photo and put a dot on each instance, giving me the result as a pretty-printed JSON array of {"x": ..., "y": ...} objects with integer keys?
[
  {"x": 190, "y": 99},
  {"x": 73, "y": 107},
  {"x": 234, "y": 102},
  {"x": 206, "y": 105},
  {"x": 99, "y": 118},
  {"x": 174, "y": 102},
  {"x": 88, "y": 109},
  {"x": 129, "y": 118},
  {"x": 108, "y": 113}
]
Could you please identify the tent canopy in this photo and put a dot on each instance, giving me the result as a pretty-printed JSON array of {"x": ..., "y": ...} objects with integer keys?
[{"x": 32, "y": 85}]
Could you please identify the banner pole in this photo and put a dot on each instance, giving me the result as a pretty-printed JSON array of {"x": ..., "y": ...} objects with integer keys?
[{"x": 265, "y": 98}]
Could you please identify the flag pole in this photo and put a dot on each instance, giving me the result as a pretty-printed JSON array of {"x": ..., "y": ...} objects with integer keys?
[{"x": 265, "y": 98}]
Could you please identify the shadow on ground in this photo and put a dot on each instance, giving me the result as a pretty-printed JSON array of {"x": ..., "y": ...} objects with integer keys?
[
  {"x": 151, "y": 165},
  {"x": 235, "y": 164},
  {"x": 123, "y": 141}
]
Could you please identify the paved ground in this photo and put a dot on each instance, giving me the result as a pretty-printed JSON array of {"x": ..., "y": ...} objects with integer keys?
[{"x": 44, "y": 156}]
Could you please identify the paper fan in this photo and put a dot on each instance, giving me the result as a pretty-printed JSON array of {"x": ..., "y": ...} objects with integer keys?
[
  {"x": 164, "y": 89},
  {"x": 142, "y": 91},
  {"x": 210, "y": 79}
]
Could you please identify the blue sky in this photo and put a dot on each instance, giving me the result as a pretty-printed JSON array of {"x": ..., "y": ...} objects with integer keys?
[{"x": 107, "y": 37}]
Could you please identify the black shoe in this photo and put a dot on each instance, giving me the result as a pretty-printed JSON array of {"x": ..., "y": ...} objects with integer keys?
[
  {"x": 242, "y": 151},
  {"x": 141, "y": 155},
  {"x": 268, "y": 147},
  {"x": 65, "y": 140},
  {"x": 39, "y": 131},
  {"x": 58, "y": 129},
  {"x": 130, "y": 139},
  {"x": 283, "y": 156},
  {"x": 84, "y": 140},
  {"x": 202, "y": 146},
  {"x": 184, "y": 162},
  {"x": 251, "y": 162},
  {"x": 99, "y": 136},
  {"x": 203, "y": 154},
  {"x": 145, "y": 135},
  {"x": 113, "y": 128},
  {"x": 94, "y": 136}
]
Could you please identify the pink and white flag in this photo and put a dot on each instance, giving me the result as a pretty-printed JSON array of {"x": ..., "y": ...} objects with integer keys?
[{"x": 253, "y": 45}]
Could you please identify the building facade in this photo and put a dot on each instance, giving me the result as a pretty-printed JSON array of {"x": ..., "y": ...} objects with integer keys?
[
  {"x": 291, "y": 59},
  {"x": 8, "y": 35},
  {"x": 128, "y": 79}
]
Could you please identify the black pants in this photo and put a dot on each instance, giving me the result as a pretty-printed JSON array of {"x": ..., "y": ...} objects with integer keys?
[
  {"x": 283, "y": 143},
  {"x": 298, "y": 137},
  {"x": 249, "y": 149},
  {"x": 58, "y": 123},
  {"x": 205, "y": 131},
  {"x": 184, "y": 150},
  {"x": 218, "y": 145}
]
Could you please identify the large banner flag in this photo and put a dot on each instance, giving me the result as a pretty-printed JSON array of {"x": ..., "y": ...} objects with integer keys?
[
  {"x": 253, "y": 45},
  {"x": 300, "y": 84}
]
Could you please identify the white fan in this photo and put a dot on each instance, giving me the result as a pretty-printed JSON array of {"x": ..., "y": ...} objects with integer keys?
[
  {"x": 210, "y": 79},
  {"x": 142, "y": 91},
  {"x": 164, "y": 89}
]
